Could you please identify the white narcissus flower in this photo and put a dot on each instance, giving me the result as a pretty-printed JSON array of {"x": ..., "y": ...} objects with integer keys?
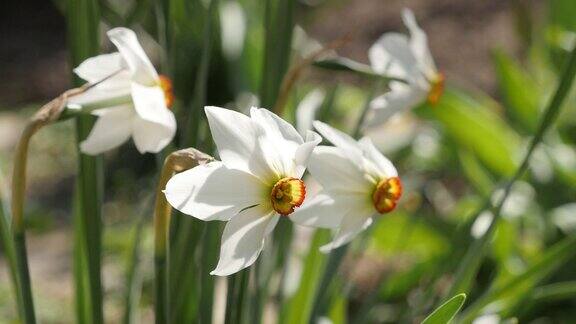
[
  {"x": 138, "y": 98},
  {"x": 408, "y": 58},
  {"x": 257, "y": 181},
  {"x": 358, "y": 183}
]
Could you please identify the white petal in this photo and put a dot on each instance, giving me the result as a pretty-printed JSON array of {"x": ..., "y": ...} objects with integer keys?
[
  {"x": 151, "y": 105},
  {"x": 384, "y": 166},
  {"x": 303, "y": 152},
  {"x": 213, "y": 192},
  {"x": 236, "y": 137},
  {"x": 152, "y": 137},
  {"x": 98, "y": 68},
  {"x": 331, "y": 167},
  {"x": 99, "y": 95},
  {"x": 243, "y": 239},
  {"x": 307, "y": 108},
  {"x": 401, "y": 97},
  {"x": 341, "y": 140},
  {"x": 353, "y": 222},
  {"x": 419, "y": 45},
  {"x": 112, "y": 128},
  {"x": 127, "y": 43},
  {"x": 274, "y": 126},
  {"x": 391, "y": 55},
  {"x": 326, "y": 209},
  {"x": 279, "y": 141}
]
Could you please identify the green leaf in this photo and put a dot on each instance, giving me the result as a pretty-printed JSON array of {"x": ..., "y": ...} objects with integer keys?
[
  {"x": 279, "y": 23},
  {"x": 479, "y": 177},
  {"x": 446, "y": 312},
  {"x": 299, "y": 308},
  {"x": 474, "y": 125},
  {"x": 520, "y": 92},
  {"x": 562, "y": 13},
  {"x": 83, "y": 22},
  {"x": 7, "y": 244}
]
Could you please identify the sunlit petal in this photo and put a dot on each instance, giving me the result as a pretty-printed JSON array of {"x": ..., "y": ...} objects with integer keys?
[
  {"x": 336, "y": 172},
  {"x": 326, "y": 209},
  {"x": 112, "y": 128},
  {"x": 213, "y": 192},
  {"x": 419, "y": 45},
  {"x": 243, "y": 239},
  {"x": 353, "y": 223},
  {"x": 152, "y": 137},
  {"x": 151, "y": 105},
  {"x": 303, "y": 153},
  {"x": 341, "y": 140},
  {"x": 98, "y": 68},
  {"x": 399, "y": 98},
  {"x": 236, "y": 137},
  {"x": 391, "y": 55},
  {"x": 127, "y": 43},
  {"x": 384, "y": 166}
]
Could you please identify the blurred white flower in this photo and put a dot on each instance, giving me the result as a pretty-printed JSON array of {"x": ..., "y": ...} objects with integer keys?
[
  {"x": 358, "y": 183},
  {"x": 487, "y": 319},
  {"x": 307, "y": 108},
  {"x": 408, "y": 58},
  {"x": 258, "y": 179},
  {"x": 134, "y": 96},
  {"x": 233, "y": 22}
]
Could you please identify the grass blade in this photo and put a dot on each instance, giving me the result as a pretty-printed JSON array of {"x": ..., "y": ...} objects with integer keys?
[
  {"x": 8, "y": 244},
  {"x": 299, "y": 309},
  {"x": 279, "y": 24},
  {"x": 447, "y": 311},
  {"x": 83, "y": 21}
]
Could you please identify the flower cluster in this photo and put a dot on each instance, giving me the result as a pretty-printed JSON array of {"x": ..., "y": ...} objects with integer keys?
[
  {"x": 263, "y": 158},
  {"x": 259, "y": 179}
]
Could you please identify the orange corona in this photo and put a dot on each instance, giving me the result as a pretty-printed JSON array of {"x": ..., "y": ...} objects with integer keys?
[
  {"x": 166, "y": 84},
  {"x": 436, "y": 89},
  {"x": 287, "y": 194},
  {"x": 385, "y": 196}
]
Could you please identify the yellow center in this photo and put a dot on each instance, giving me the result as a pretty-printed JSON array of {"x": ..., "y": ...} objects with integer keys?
[
  {"x": 287, "y": 194},
  {"x": 386, "y": 195},
  {"x": 166, "y": 84},
  {"x": 436, "y": 90}
]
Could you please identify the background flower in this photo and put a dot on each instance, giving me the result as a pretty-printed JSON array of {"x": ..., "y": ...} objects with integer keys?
[{"x": 137, "y": 96}]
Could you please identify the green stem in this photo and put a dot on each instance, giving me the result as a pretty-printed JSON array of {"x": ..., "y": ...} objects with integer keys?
[
  {"x": 235, "y": 301},
  {"x": 25, "y": 293},
  {"x": 46, "y": 115},
  {"x": 18, "y": 192},
  {"x": 330, "y": 270},
  {"x": 133, "y": 273},
  {"x": 8, "y": 246}
]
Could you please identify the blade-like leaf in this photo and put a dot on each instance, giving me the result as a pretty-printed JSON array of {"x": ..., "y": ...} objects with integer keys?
[
  {"x": 519, "y": 90},
  {"x": 474, "y": 125},
  {"x": 83, "y": 22},
  {"x": 299, "y": 306},
  {"x": 447, "y": 311}
]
